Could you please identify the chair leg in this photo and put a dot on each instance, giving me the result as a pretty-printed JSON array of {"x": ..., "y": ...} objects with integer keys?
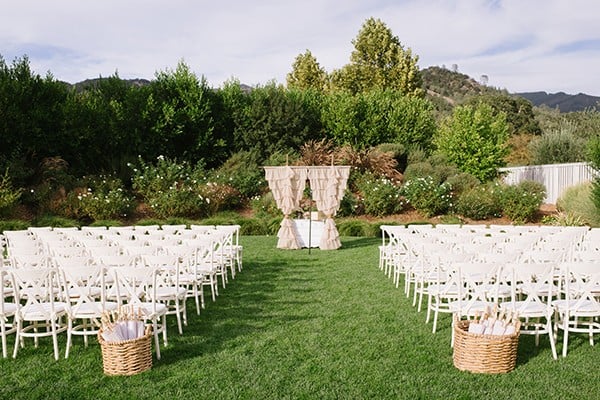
[
  {"x": 435, "y": 319},
  {"x": 178, "y": 315},
  {"x": 69, "y": 337},
  {"x": 196, "y": 298},
  {"x": 428, "y": 309},
  {"x": 85, "y": 336},
  {"x": 184, "y": 311},
  {"x": 551, "y": 337},
  {"x": 164, "y": 330},
  {"x": 55, "y": 340},
  {"x": 156, "y": 341},
  {"x": 18, "y": 339},
  {"x": 3, "y": 333},
  {"x": 565, "y": 335}
]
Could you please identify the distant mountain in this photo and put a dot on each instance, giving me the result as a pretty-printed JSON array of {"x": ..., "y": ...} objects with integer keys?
[
  {"x": 446, "y": 88},
  {"x": 79, "y": 86},
  {"x": 564, "y": 102}
]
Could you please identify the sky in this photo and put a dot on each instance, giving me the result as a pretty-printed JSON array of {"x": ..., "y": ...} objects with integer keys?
[{"x": 520, "y": 45}]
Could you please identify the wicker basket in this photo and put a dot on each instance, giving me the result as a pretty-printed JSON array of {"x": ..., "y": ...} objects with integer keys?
[
  {"x": 127, "y": 357},
  {"x": 487, "y": 354}
]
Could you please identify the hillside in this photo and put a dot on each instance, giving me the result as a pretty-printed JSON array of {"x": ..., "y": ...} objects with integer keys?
[
  {"x": 446, "y": 88},
  {"x": 564, "y": 102}
]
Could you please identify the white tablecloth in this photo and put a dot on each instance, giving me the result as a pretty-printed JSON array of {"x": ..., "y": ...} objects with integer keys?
[{"x": 302, "y": 231}]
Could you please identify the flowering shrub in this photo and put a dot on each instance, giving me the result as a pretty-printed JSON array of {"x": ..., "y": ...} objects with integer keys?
[
  {"x": 265, "y": 205},
  {"x": 522, "y": 202},
  {"x": 428, "y": 197},
  {"x": 350, "y": 205},
  {"x": 102, "y": 198},
  {"x": 171, "y": 189},
  {"x": 480, "y": 202},
  {"x": 380, "y": 196},
  {"x": 242, "y": 171},
  {"x": 220, "y": 197}
]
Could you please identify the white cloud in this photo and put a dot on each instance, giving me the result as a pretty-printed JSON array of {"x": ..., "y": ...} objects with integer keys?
[{"x": 520, "y": 45}]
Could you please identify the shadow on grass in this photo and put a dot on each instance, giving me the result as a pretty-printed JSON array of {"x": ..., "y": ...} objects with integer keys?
[
  {"x": 527, "y": 349},
  {"x": 355, "y": 242},
  {"x": 244, "y": 308}
]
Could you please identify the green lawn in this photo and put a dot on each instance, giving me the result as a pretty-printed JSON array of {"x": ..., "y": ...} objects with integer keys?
[{"x": 294, "y": 325}]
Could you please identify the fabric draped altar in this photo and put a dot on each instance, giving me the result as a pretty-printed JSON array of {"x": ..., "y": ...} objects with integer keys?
[{"x": 327, "y": 183}]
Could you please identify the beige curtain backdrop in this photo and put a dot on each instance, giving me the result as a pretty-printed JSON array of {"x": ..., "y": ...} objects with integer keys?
[
  {"x": 287, "y": 186},
  {"x": 327, "y": 186}
]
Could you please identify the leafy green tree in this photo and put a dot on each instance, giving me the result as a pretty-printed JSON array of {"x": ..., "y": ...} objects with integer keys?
[
  {"x": 275, "y": 119},
  {"x": 518, "y": 111},
  {"x": 475, "y": 139},
  {"x": 306, "y": 73},
  {"x": 586, "y": 124},
  {"x": 379, "y": 61},
  {"x": 31, "y": 118},
  {"x": 178, "y": 114},
  {"x": 105, "y": 127},
  {"x": 228, "y": 104},
  {"x": 342, "y": 115},
  {"x": 379, "y": 116}
]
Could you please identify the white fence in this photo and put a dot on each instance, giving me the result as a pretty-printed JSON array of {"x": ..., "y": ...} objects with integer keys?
[{"x": 556, "y": 177}]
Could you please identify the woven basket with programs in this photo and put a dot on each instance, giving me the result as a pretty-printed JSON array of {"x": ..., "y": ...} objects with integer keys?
[
  {"x": 125, "y": 342},
  {"x": 483, "y": 352},
  {"x": 128, "y": 357}
]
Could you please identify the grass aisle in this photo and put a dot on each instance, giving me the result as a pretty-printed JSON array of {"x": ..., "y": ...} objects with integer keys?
[{"x": 293, "y": 325}]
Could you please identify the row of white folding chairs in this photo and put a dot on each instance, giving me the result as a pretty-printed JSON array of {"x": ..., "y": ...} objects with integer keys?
[
  {"x": 42, "y": 240},
  {"x": 202, "y": 256},
  {"x": 182, "y": 290},
  {"x": 419, "y": 259},
  {"x": 547, "y": 297},
  {"x": 49, "y": 232},
  {"x": 397, "y": 240},
  {"x": 73, "y": 300}
]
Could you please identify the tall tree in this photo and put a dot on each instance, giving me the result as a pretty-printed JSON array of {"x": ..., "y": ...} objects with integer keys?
[
  {"x": 275, "y": 119},
  {"x": 379, "y": 61},
  {"x": 379, "y": 116},
  {"x": 475, "y": 139},
  {"x": 518, "y": 111},
  {"x": 306, "y": 73},
  {"x": 31, "y": 118},
  {"x": 179, "y": 115}
]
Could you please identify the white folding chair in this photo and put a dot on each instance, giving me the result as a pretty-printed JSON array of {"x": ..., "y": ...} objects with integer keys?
[
  {"x": 533, "y": 290},
  {"x": 169, "y": 291},
  {"x": 8, "y": 309},
  {"x": 44, "y": 312},
  {"x": 138, "y": 286},
  {"x": 86, "y": 288},
  {"x": 477, "y": 283},
  {"x": 579, "y": 311}
]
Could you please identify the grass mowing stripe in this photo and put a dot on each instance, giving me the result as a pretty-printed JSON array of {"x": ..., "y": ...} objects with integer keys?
[{"x": 294, "y": 325}]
